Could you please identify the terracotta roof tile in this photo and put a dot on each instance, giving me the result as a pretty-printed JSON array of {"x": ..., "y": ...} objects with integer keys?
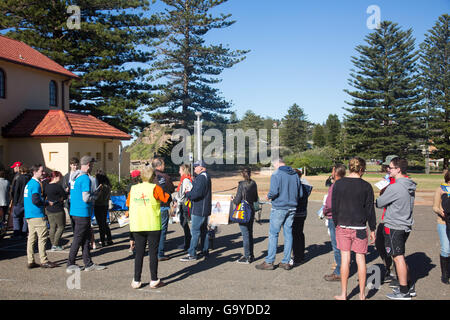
[
  {"x": 19, "y": 52},
  {"x": 53, "y": 123}
]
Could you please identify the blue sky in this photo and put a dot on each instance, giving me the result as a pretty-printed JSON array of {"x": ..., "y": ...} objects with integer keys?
[{"x": 301, "y": 50}]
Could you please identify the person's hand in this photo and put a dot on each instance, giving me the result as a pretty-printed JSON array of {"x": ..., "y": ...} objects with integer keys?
[
  {"x": 372, "y": 237},
  {"x": 131, "y": 244},
  {"x": 267, "y": 198},
  {"x": 232, "y": 198},
  {"x": 51, "y": 203}
]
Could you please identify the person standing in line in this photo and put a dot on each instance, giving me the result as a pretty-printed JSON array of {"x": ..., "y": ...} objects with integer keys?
[
  {"x": 37, "y": 224},
  {"x": 101, "y": 209},
  {"x": 398, "y": 199},
  {"x": 4, "y": 196},
  {"x": 285, "y": 192},
  {"x": 184, "y": 186},
  {"x": 74, "y": 164},
  {"x": 338, "y": 172},
  {"x": 389, "y": 276},
  {"x": 201, "y": 199},
  {"x": 16, "y": 170},
  {"x": 55, "y": 195},
  {"x": 81, "y": 201},
  {"x": 19, "y": 222},
  {"x": 440, "y": 197},
  {"x": 163, "y": 180},
  {"x": 135, "y": 179},
  {"x": 298, "y": 224},
  {"x": 144, "y": 201},
  {"x": 247, "y": 190},
  {"x": 352, "y": 209}
]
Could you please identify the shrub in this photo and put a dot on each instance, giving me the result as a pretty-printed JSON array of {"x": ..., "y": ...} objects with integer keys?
[{"x": 319, "y": 160}]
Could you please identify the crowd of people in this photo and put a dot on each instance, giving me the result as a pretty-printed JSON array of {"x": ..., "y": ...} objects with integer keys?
[{"x": 39, "y": 203}]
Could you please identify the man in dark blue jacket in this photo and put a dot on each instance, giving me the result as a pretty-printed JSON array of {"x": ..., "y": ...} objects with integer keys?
[
  {"x": 285, "y": 192},
  {"x": 200, "y": 197}
]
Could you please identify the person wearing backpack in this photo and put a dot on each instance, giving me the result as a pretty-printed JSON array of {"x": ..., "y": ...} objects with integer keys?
[
  {"x": 248, "y": 191},
  {"x": 184, "y": 186}
]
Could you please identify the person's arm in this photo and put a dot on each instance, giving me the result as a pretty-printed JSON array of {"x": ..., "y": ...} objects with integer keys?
[
  {"x": 371, "y": 218},
  {"x": 335, "y": 202},
  {"x": 238, "y": 198},
  {"x": 327, "y": 206},
  {"x": 198, "y": 189},
  {"x": 160, "y": 195},
  {"x": 86, "y": 190},
  {"x": 389, "y": 196},
  {"x": 437, "y": 203},
  {"x": 274, "y": 188},
  {"x": 36, "y": 198}
]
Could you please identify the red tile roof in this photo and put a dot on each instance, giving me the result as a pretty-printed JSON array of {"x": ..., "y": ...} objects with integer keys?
[
  {"x": 59, "y": 123},
  {"x": 18, "y": 52}
]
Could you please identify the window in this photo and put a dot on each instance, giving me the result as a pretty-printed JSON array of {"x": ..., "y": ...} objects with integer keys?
[
  {"x": 53, "y": 93},
  {"x": 77, "y": 155},
  {"x": 52, "y": 156},
  {"x": 98, "y": 156},
  {"x": 110, "y": 156},
  {"x": 2, "y": 84}
]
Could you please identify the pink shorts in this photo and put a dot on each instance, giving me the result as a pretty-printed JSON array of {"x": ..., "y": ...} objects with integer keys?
[{"x": 352, "y": 240}]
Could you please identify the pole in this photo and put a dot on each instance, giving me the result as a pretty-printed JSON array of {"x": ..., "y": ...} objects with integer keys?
[{"x": 199, "y": 136}]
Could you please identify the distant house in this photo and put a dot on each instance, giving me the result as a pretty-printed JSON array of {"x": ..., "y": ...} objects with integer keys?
[{"x": 35, "y": 121}]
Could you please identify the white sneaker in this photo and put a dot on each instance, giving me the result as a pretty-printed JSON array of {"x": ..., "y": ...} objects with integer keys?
[
  {"x": 136, "y": 284},
  {"x": 94, "y": 267},
  {"x": 72, "y": 268}
]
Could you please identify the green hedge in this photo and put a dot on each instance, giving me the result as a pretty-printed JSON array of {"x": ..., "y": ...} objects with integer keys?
[{"x": 318, "y": 160}]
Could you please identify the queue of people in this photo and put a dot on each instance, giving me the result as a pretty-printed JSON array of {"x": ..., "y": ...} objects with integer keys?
[{"x": 349, "y": 210}]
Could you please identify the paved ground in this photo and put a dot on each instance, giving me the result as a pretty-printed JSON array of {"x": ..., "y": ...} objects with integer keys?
[{"x": 219, "y": 277}]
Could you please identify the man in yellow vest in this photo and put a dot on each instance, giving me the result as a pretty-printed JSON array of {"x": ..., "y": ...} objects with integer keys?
[{"x": 145, "y": 224}]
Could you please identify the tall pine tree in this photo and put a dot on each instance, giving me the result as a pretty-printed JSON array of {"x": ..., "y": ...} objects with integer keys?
[
  {"x": 435, "y": 79},
  {"x": 333, "y": 131},
  {"x": 105, "y": 51},
  {"x": 384, "y": 114},
  {"x": 189, "y": 67},
  {"x": 293, "y": 133}
]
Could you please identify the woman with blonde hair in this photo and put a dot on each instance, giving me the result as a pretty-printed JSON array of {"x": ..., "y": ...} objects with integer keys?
[
  {"x": 441, "y": 199},
  {"x": 352, "y": 208},
  {"x": 184, "y": 186},
  {"x": 145, "y": 223}
]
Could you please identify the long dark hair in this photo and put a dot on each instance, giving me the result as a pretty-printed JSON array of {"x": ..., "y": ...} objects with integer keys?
[
  {"x": 102, "y": 179},
  {"x": 246, "y": 173}
]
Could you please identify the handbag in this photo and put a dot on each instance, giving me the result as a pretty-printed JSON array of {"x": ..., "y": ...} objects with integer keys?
[{"x": 243, "y": 211}]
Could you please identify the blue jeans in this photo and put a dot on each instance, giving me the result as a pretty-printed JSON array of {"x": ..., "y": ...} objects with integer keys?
[
  {"x": 337, "y": 252},
  {"x": 444, "y": 239},
  {"x": 247, "y": 237},
  {"x": 20, "y": 225},
  {"x": 279, "y": 218},
  {"x": 164, "y": 225},
  {"x": 199, "y": 228}
]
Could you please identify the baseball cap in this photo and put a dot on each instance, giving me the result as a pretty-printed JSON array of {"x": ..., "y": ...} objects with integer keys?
[
  {"x": 135, "y": 173},
  {"x": 389, "y": 159},
  {"x": 200, "y": 163},
  {"x": 86, "y": 160},
  {"x": 16, "y": 164}
]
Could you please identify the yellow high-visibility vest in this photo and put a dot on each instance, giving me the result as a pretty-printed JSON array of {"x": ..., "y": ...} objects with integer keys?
[{"x": 144, "y": 211}]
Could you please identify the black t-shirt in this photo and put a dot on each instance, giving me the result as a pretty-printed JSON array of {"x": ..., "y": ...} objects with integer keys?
[
  {"x": 55, "y": 193},
  {"x": 446, "y": 206}
]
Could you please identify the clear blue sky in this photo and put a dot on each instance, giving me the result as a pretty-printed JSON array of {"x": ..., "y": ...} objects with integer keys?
[{"x": 301, "y": 50}]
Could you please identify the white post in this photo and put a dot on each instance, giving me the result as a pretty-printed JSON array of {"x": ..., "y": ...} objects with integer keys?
[
  {"x": 199, "y": 136},
  {"x": 120, "y": 157}
]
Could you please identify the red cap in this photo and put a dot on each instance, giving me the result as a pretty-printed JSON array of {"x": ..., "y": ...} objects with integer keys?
[
  {"x": 16, "y": 164},
  {"x": 135, "y": 173}
]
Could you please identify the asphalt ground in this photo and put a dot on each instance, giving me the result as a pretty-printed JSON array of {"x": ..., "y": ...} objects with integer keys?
[{"x": 219, "y": 277}]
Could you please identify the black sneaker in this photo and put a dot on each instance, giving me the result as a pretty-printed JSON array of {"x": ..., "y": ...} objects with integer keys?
[
  {"x": 411, "y": 292},
  {"x": 399, "y": 296},
  {"x": 389, "y": 277},
  {"x": 394, "y": 284}
]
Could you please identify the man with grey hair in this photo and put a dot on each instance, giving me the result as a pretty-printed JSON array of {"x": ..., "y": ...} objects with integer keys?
[
  {"x": 285, "y": 193},
  {"x": 81, "y": 200}
]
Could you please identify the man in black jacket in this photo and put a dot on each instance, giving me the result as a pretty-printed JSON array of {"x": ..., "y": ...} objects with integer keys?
[
  {"x": 200, "y": 197},
  {"x": 20, "y": 225},
  {"x": 163, "y": 180}
]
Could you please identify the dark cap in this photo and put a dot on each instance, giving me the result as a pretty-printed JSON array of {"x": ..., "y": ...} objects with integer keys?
[
  {"x": 389, "y": 159},
  {"x": 200, "y": 163}
]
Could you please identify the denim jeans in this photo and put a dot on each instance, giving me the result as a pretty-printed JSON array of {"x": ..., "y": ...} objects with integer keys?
[
  {"x": 247, "y": 237},
  {"x": 198, "y": 231},
  {"x": 444, "y": 238},
  {"x": 164, "y": 225},
  {"x": 298, "y": 239},
  {"x": 20, "y": 224},
  {"x": 279, "y": 218},
  {"x": 337, "y": 252}
]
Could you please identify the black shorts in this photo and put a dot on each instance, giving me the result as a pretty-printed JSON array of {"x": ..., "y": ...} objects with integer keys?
[{"x": 394, "y": 241}]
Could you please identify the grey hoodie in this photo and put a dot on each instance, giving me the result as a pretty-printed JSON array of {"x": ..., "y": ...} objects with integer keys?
[
  {"x": 285, "y": 189},
  {"x": 398, "y": 198}
]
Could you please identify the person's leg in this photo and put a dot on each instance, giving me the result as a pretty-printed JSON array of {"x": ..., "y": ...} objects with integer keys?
[
  {"x": 86, "y": 241},
  {"x": 42, "y": 233},
  {"x": 76, "y": 241},
  {"x": 287, "y": 232},
  {"x": 195, "y": 235},
  {"x": 277, "y": 218},
  {"x": 245, "y": 239},
  {"x": 336, "y": 251},
  {"x": 381, "y": 249},
  {"x": 52, "y": 222},
  {"x": 153, "y": 244},
  {"x": 204, "y": 243},
  {"x": 164, "y": 226},
  {"x": 345, "y": 270},
  {"x": 60, "y": 225},
  {"x": 32, "y": 238},
  {"x": 17, "y": 221},
  {"x": 185, "y": 224},
  {"x": 362, "y": 274},
  {"x": 296, "y": 239},
  {"x": 250, "y": 237},
  {"x": 101, "y": 222},
  {"x": 140, "y": 242},
  {"x": 402, "y": 272}
]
